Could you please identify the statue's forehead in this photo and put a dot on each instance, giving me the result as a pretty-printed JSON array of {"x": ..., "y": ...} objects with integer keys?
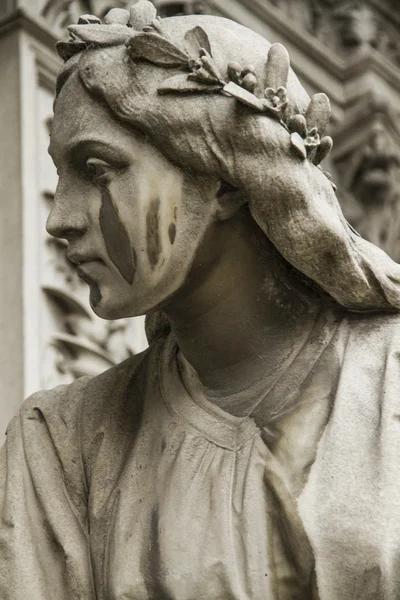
[
  {"x": 73, "y": 106},
  {"x": 79, "y": 117}
]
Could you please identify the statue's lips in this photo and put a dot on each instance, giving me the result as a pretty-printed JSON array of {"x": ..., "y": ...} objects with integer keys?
[
  {"x": 83, "y": 259},
  {"x": 87, "y": 266},
  {"x": 89, "y": 270}
]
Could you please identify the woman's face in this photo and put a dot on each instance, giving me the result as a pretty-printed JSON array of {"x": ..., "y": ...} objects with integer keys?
[{"x": 133, "y": 221}]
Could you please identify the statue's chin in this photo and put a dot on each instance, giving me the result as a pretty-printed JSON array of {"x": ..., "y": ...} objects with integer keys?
[
  {"x": 109, "y": 306},
  {"x": 112, "y": 298},
  {"x": 109, "y": 314},
  {"x": 95, "y": 295},
  {"x": 99, "y": 304}
]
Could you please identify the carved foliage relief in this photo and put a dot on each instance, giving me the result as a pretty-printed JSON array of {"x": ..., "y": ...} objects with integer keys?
[
  {"x": 368, "y": 168},
  {"x": 348, "y": 25}
]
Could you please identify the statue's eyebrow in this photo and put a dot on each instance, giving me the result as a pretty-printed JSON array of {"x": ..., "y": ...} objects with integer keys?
[{"x": 78, "y": 147}]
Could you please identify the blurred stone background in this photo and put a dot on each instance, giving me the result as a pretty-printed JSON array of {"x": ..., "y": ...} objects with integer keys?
[{"x": 349, "y": 49}]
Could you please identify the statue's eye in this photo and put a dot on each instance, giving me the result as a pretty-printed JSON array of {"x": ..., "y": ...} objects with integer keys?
[{"x": 97, "y": 169}]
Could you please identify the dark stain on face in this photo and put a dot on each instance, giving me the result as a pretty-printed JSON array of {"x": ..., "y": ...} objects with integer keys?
[
  {"x": 153, "y": 232},
  {"x": 134, "y": 258},
  {"x": 95, "y": 294},
  {"x": 172, "y": 232},
  {"x": 154, "y": 529},
  {"x": 116, "y": 237}
]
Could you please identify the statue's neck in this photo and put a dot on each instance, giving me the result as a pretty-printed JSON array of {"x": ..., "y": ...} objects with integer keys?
[{"x": 239, "y": 319}]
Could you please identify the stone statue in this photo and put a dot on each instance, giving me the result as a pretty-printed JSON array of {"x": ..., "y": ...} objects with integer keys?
[{"x": 253, "y": 451}]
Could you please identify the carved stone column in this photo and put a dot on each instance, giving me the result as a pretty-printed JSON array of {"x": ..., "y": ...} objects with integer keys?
[
  {"x": 49, "y": 333},
  {"x": 11, "y": 232},
  {"x": 27, "y": 64}
]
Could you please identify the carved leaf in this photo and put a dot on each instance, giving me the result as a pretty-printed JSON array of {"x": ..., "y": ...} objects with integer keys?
[
  {"x": 298, "y": 145},
  {"x": 196, "y": 40},
  {"x": 183, "y": 84},
  {"x": 244, "y": 96},
  {"x": 67, "y": 49},
  {"x": 157, "y": 50},
  {"x": 318, "y": 112},
  {"x": 323, "y": 149},
  {"x": 117, "y": 16},
  {"x": 89, "y": 20},
  {"x": 142, "y": 13},
  {"x": 205, "y": 68},
  {"x": 203, "y": 75},
  {"x": 102, "y": 35},
  {"x": 155, "y": 27},
  {"x": 277, "y": 67}
]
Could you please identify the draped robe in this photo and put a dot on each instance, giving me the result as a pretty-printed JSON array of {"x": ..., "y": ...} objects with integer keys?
[{"x": 130, "y": 485}]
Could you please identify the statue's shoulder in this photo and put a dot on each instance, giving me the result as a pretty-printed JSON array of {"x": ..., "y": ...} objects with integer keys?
[
  {"x": 120, "y": 389},
  {"x": 73, "y": 421},
  {"x": 57, "y": 407},
  {"x": 73, "y": 394},
  {"x": 66, "y": 434},
  {"x": 90, "y": 400}
]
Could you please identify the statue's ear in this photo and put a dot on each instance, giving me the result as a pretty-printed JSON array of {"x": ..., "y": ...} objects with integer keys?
[{"x": 230, "y": 200}]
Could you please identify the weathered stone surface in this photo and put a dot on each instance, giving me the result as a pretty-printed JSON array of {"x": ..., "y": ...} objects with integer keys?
[{"x": 218, "y": 463}]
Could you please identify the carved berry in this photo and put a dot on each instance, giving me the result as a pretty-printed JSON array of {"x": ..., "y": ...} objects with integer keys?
[
  {"x": 298, "y": 124},
  {"x": 248, "y": 69},
  {"x": 249, "y": 82},
  {"x": 234, "y": 70}
]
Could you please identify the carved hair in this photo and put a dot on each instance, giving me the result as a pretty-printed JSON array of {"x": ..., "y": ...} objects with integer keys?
[{"x": 216, "y": 131}]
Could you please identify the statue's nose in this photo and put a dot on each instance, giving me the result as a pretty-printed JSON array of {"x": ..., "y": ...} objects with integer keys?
[{"x": 66, "y": 219}]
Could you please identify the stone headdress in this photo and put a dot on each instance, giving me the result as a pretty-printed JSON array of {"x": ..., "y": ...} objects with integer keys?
[{"x": 218, "y": 99}]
